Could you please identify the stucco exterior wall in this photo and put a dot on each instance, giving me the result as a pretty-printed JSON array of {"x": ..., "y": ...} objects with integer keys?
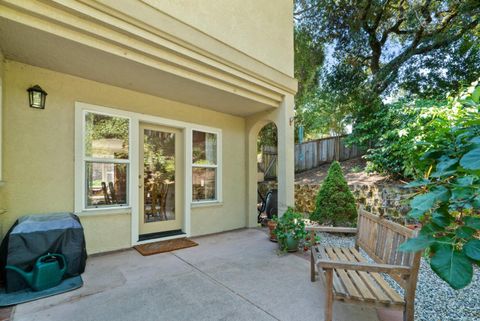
[
  {"x": 244, "y": 25},
  {"x": 38, "y": 153}
]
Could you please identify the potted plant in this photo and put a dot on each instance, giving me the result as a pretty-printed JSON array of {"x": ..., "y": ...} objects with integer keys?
[
  {"x": 290, "y": 230},
  {"x": 272, "y": 225}
]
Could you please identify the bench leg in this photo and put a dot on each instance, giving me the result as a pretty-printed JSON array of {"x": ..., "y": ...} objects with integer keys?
[
  {"x": 328, "y": 294},
  {"x": 312, "y": 266},
  {"x": 409, "y": 312}
]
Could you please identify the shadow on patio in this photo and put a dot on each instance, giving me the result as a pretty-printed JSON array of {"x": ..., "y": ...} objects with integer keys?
[{"x": 230, "y": 276}]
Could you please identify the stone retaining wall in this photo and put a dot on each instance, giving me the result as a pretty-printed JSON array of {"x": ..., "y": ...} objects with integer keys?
[{"x": 390, "y": 200}]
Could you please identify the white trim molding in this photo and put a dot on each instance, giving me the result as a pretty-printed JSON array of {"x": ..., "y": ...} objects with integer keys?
[{"x": 133, "y": 180}]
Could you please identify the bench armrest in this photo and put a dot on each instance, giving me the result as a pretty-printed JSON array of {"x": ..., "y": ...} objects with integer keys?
[
  {"x": 366, "y": 267},
  {"x": 330, "y": 229}
]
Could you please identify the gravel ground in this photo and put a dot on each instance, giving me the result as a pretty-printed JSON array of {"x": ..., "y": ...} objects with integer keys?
[{"x": 434, "y": 300}]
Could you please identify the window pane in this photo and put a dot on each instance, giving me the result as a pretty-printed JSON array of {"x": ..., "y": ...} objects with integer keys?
[
  {"x": 106, "y": 184},
  {"x": 106, "y": 136},
  {"x": 204, "y": 184},
  {"x": 159, "y": 176},
  {"x": 204, "y": 148}
]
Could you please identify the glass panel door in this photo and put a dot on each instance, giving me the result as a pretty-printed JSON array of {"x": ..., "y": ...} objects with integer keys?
[{"x": 159, "y": 175}]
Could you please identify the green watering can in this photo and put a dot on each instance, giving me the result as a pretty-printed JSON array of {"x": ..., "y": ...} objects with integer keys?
[{"x": 47, "y": 272}]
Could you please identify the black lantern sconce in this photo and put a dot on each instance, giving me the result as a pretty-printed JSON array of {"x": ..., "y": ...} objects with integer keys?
[{"x": 37, "y": 97}]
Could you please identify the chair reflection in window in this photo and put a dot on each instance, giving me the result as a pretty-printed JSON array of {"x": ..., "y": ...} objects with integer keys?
[{"x": 155, "y": 199}]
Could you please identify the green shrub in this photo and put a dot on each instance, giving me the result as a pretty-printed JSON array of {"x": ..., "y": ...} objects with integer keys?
[
  {"x": 447, "y": 202},
  {"x": 335, "y": 202}
]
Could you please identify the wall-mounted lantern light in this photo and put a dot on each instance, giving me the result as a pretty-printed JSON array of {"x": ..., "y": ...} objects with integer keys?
[{"x": 36, "y": 97}]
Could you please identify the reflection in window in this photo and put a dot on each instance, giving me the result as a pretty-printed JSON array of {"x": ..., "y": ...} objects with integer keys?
[
  {"x": 106, "y": 184},
  {"x": 204, "y": 148},
  {"x": 106, "y": 160},
  {"x": 204, "y": 184},
  {"x": 204, "y": 166},
  {"x": 106, "y": 136}
]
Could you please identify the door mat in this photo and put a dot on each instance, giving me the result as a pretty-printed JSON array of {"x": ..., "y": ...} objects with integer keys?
[
  {"x": 164, "y": 246},
  {"x": 26, "y": 295}
]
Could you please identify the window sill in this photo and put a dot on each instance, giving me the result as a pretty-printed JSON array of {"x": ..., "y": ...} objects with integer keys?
[
  {"x": 105, "y": 211},
  {"x": 206, "y": 204}
]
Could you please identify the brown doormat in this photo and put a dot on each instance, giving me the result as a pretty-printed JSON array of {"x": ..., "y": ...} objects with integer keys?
[{"x": 164, "y": 246}]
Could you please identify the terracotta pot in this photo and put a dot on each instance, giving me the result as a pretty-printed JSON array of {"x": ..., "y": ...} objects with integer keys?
[
  {"x": 414, "y": 226},
  {"x": 271, "y": 226}
]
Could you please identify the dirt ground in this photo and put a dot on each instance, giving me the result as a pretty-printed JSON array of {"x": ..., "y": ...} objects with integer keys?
[{"x": 353, "y": 169}]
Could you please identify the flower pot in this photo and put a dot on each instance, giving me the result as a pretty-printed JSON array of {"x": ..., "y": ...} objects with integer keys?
[
  {"x": 292, "y": 244},
  {"x": 271, "y": 226},
  {"x": 414, "y": 226}
]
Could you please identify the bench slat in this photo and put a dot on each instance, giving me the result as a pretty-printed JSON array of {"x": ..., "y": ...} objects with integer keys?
[
  {"x": 394, "y": 296},
  {"x": 351, "y": 289},
  {"x": 357, "y": 281},
  {"x": 368, "y": 279},
  {"x": 337, "y": 284}
]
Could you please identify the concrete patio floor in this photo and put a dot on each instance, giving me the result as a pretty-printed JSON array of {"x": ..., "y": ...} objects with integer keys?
[{"x": 231, "y": 276}]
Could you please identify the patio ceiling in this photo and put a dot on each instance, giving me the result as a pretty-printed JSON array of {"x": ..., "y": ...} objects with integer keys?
[{"x": 58, "y": 39}]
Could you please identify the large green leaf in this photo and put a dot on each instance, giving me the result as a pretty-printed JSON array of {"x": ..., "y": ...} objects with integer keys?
[
  {"x": 465, "y": 180},
  {"x": 465, "y": 232},
  {"x": 472, "y": 249},
  {"x": 471, "y": 160},
  {"x": 462, "y": 193},
  {"x": 453, "y": 266},
  {"x": 441, "y": 193},
  {"x": 473, "y": 222},
  {"x": 423, "y": 202},
  {"x": 441, "y": 219},
  {"x": 446, "y": 163},
  {"x": 417, "y": 243},
  {"x": 417, "y": 183}
]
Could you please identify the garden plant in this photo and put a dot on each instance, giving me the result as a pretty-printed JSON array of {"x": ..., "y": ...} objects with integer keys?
[
  {"x": 290, "y": 230},
  {"x": 335, "y": 203},
  {"x": 447, "y": 201}
]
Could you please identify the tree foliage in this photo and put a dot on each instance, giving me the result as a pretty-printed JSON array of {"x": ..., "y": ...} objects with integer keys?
[
  {"x": 392, "y": 47},
  {"x": 335, "y": 203},
  {"x": 448, "y": 196}
]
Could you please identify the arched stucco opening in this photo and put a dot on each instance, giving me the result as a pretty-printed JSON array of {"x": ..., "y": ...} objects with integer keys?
[
  {"x": 267, "y": 172},
  {"x": 282, "y": 117}
]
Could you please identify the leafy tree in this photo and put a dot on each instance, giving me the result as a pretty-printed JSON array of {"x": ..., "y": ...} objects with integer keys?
[
  {"x": 267, "y": 136},
  {"x": 448, "y": 198},
  {"x": 309, "y": 57},
  {"x": 335, "y": 203},
  {"x": 398, "y": 129},
  {"x": 383, "y": 47}
]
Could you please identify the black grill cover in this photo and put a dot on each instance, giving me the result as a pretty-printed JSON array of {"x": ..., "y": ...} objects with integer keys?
[{"x": 35, "y": 235}]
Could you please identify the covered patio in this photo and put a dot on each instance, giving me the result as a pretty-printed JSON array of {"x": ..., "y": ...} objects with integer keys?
[{"x": 230, "y": 276}]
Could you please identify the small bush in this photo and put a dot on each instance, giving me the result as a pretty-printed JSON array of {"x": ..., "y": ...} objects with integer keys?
[{"x": 335, "y": 202}]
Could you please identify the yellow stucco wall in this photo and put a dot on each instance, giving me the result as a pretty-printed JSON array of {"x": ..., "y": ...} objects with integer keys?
[
  {"x": 38, "y": 154},
  {"x": 263, "y": 29}
]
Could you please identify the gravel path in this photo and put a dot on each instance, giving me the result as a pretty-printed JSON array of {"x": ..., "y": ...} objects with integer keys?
[{"x": 434, "y": 300}]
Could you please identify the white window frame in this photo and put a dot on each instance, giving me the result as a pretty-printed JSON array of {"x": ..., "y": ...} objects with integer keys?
[
  {"x": 218, "y": 166},
  {"x": 83, "y": 159},
  {"x": 133, "y": 194}
]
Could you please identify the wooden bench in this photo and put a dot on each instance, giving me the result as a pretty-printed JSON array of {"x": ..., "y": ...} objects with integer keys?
[{"x": 351, "y": 278}]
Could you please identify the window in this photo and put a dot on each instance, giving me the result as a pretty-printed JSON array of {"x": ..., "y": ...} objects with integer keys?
[
  {"x": 205, "y": 171},
  {"x": 106, "y": 160}
]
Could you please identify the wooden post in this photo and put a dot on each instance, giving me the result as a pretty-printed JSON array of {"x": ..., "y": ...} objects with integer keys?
[
  {"x": 328, "y": 294},
  {"x": 312, "y": 265},
  {"x": 312, "y": 256}
]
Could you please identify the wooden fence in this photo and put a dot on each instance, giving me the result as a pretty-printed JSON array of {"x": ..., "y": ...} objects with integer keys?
[
  {"x": 269, "y": 162},
  {"x": 314, "y": 153},
  {"x": 310, "y": 154}
]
